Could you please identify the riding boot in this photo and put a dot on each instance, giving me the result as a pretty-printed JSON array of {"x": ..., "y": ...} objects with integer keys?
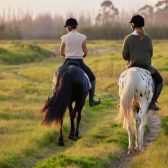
[
  {"x": 93, "y": 102},
  {"x": 157, "y": 92}
]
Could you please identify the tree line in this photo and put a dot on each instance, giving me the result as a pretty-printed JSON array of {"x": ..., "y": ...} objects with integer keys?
[{"x": 109, "y": 23}]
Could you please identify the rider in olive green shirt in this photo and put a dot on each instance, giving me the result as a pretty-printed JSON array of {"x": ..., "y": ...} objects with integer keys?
[{"x": 138, "y": 51}]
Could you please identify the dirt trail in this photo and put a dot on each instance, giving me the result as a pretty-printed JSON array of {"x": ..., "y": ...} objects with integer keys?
[{"x": 155, "y": 124}]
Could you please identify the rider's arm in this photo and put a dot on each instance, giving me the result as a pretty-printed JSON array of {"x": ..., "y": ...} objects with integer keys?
[
  {"x": 62, "y": 49},
  {"x": 151, "y": 47},
  {"x": 125, "y": 50},
  {"x": 84, "y": 47}
]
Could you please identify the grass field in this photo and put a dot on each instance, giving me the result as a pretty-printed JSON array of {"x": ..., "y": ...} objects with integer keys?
[{"x": 26, "y": 71}]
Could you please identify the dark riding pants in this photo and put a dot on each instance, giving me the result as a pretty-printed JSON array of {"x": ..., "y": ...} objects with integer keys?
[
  {"x": 83, "y": 66},
  {"x": 157, "y": 77}
]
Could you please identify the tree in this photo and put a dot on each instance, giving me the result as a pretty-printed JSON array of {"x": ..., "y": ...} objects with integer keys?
[
  {"x": 147, "y": 12},
  {"x": 162, "y": 5},
  {"x": 108, "y": 14},
  {"x": 161, "y": 13}
]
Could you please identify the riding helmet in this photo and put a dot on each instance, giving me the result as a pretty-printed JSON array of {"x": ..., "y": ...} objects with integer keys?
[
  {"x": 71, "y": 22},
  {"x": 137, "y": 21}
]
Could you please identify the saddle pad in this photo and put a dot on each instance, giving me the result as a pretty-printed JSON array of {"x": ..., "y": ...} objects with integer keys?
[{"x": 90, "y": 85}]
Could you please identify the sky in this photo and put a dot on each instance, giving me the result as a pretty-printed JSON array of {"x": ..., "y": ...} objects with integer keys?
[{"x": 65, "y": 6}]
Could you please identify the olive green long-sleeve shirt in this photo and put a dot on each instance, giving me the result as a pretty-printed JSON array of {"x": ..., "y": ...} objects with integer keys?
[{"x": 138, "y": 52}]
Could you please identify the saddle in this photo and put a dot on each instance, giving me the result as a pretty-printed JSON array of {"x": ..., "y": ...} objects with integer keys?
[{"x": 73, "y": 63}]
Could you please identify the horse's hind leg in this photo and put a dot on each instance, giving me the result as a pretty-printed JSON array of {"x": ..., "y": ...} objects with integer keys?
[
  {"x": 142, "y": 114},
  {"x": 136, "y": 135},
  {"x": 141, "y": 130},
  {"x": 129, "y": 130},
  {"x": 61, "y": 140},
  {"x": 136, "y": 128},
  {"x": 78, "y": 107},
  {"x": 77, "y": 125},
  {"x": 72, "y": 116}
]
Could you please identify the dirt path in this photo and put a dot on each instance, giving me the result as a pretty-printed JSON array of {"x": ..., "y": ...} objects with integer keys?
[{"x": 155, "y": 124}]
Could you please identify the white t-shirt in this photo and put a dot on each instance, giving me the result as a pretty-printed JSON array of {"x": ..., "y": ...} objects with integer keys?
[{"x": 73, "y": 44}]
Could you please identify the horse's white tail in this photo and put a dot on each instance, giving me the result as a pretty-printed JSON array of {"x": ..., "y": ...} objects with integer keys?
[{"x": 126, "y": 98}]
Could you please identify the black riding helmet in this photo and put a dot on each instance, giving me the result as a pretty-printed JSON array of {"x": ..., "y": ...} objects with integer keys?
[
  {"x": 71, "y": 22},
  {"x": 137, "y": 21}
]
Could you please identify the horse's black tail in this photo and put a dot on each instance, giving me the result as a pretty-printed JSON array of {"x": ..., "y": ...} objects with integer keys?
[{"x": 56, "y": 106}]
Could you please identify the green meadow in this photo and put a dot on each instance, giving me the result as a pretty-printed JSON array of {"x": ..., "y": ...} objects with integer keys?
[{"x": 26, "y": 71}]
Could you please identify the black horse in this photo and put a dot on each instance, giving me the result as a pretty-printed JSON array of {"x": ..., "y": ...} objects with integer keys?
[{"x": 71, "y": 86}]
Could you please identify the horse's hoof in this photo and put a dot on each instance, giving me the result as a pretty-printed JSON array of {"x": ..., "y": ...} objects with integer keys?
[
  {"x": 71, "y": 137},
  {"x": 76, "y": 137},
  {"x": 130, "y": 152},
  {"x": 136, "y": 150},
  {"x": 60, "y": 143}
]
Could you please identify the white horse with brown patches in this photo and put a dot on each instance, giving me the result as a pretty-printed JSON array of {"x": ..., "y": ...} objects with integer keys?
[{"x": 135, "y": 91}]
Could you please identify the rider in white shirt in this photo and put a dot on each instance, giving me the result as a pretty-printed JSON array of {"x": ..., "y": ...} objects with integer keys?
[
  {"x": 74, "y": 41},
  {"x": 74, "y": 49}
]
